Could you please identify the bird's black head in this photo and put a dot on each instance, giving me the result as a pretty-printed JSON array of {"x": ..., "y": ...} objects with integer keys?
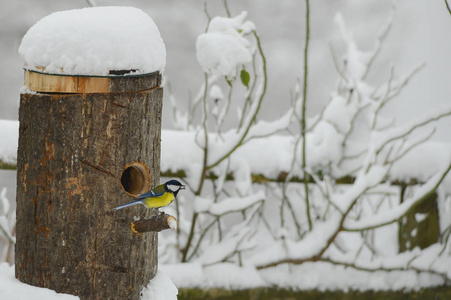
[{"x": 173, "y": 186}]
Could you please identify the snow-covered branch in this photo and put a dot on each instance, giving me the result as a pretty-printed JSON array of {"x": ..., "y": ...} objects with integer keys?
[
  {"x": 396, "y": 213},
  {"x": 7, "y": 229}
]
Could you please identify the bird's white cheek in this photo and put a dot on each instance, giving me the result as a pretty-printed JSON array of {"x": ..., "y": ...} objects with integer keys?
[{"x": 173, "y": 188}]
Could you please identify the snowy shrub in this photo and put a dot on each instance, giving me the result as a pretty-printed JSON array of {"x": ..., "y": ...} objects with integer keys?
[
  {"x": 270, "y": 193},
  {"x": 223, "y": 48},
  {"x": 7, "y": 228}
]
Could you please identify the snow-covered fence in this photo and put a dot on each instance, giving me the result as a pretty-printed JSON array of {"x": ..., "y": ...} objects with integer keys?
[{"x": 276, "y": 153}]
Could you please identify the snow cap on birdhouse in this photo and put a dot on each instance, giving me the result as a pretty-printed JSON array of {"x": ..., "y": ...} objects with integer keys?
[{"x": 96, "y": 41}]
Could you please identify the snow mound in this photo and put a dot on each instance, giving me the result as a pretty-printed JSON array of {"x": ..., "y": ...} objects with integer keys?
[
  {"x": 13, "y": 289},
  {"x": 160, "y": 287},
  {"x": 92, "y": 41},
  {"x": 221, "y": 275},
  {"x": 223, "y": 49}
]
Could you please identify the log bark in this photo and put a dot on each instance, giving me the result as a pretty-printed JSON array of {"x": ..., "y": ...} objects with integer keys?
[{"x": 78, "y": 157}]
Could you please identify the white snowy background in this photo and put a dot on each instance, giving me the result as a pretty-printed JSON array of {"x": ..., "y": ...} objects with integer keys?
[{"x": 419, "y": 34}]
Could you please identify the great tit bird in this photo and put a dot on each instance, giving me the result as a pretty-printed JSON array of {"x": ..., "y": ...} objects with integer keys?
[{"x": 159, "y": 196}]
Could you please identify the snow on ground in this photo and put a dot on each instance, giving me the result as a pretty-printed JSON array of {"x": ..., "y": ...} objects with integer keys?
[
  {"x": 68, "y": 42},
  {"x": 12, "y": 289},
  {"x": 324, "y": 276},
  {"x": 225, "y": 275},
  {"x": 160, "y": 287},
  {"x": 170, "y": 278},
  {"x": 319, "y": 275}
]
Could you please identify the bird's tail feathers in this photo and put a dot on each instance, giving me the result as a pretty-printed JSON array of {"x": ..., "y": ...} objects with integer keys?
[{"x": 128, "y": 204}]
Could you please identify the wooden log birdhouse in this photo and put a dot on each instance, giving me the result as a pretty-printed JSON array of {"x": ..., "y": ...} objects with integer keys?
[{"x": 89, "y": 139}]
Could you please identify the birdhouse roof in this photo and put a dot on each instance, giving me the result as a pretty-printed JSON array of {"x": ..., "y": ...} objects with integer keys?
[{"x": 94, "y": 41}]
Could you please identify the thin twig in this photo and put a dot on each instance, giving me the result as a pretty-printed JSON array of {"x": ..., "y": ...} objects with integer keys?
[
  {"x": 207, "y": 15},
  {"x": 447, "y": 6},
  {"x": 203, "y": 174},
  {"x": 399, "y": 156},
  {"x": 91, "y": 3},
  {"x": 7, "y": 235},
  {"x": 293, "y": 214},
  {"x": 336, "y": 64},
  {"x": 226, "y": 7},
  {"x": 304, "y": 108},
  {"x": 391, "y": 94},
  {"x": 253, "y": 117},
  {"x": 353, "y": 121},
  {"x": 412, "y": 129},
  {"x": 380, "y": 40},
  {"x": 384, "y": 98},
  {"x": 199, "y": 240}
]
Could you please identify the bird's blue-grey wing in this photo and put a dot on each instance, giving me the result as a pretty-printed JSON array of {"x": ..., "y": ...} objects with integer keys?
[{"x": 156, "y": 192}]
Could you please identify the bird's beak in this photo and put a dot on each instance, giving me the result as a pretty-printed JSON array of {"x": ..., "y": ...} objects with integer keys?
[{"x": 182, "y": 187}]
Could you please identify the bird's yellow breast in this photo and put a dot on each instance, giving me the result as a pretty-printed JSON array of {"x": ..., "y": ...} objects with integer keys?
[{"x": 160, "y": 201}]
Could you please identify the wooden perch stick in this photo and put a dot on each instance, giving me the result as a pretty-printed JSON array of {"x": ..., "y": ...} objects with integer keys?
[{"x": 155, "y": 223}]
